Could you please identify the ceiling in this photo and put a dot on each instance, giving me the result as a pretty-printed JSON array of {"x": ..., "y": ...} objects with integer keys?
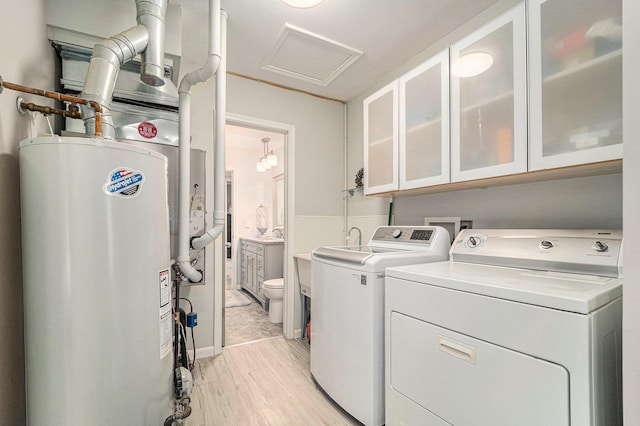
[{"x": 265, "y": 38}]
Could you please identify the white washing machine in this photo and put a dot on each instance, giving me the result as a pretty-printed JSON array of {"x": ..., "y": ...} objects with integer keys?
[
  {"x": 347, "y": 323},
  {"x": 520, "y": 327}
]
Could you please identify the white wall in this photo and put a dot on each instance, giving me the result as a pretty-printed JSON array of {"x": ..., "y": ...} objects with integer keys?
[
  {"x": 591, "y": 202},
  {"x": 319, "y": 159},
  {"x": 631, "y": 302},
  {"x": 319, "y": 139},
  {"x": 28, "y": 59},
  {"x": 318, "y": 180}
]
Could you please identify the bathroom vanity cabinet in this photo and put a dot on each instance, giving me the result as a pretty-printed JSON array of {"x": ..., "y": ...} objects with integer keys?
[{"x": 260, "y": 259}]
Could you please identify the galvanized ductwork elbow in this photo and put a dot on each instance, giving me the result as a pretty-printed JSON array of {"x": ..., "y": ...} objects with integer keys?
[
  {"x": 107, "y": 58},
  {"x": 110, "y": 54}
]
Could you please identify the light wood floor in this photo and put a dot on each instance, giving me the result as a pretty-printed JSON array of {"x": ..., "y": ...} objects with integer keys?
[{"x": 267, "y": 382}]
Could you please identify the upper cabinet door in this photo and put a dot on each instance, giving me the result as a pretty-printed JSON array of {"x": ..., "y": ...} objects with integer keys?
[
  {"x": 488, "y": 100},
  {"x": 576, "y": 82},
  {"x": 424, "y": 124},
  {"x": 381, "y": 140}
]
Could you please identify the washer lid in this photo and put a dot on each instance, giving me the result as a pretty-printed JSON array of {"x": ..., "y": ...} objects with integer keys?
[
  {"x": 557, "y": 290},
  {"x": 390, "y": 242},
  {"x": 350, "y": 254}
]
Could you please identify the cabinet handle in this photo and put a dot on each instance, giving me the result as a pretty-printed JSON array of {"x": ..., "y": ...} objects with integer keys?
[{"x": 457, "y": 349}]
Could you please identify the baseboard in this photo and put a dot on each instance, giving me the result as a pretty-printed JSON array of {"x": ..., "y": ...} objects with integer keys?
[
  {"x": 204, "y": 352},
  {"x": 297, "y": 333}
]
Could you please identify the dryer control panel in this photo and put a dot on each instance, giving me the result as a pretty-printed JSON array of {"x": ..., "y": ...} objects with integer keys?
[{"x": 592, "y": 252}]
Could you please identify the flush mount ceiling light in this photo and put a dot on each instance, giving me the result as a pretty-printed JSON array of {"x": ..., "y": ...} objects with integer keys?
[
  {"x": 302, "y": 4},
  {"x": 268, "y": 160},
  {"x": 471, "y": 64}
]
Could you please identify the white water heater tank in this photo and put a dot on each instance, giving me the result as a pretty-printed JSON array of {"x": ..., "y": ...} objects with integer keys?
[{"x": 97, "y": 283}]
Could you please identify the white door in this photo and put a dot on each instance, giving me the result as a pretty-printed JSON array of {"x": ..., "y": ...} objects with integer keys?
[
  {"x": 488, "y": 100},
  {"x": 576, "y": 82},
  {"x": 424, "y": 124},
  {"x": 381, "y": 140}
]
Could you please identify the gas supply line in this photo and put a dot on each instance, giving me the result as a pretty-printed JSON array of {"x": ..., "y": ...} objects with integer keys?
[
  {"x": 23, "y": 107},
  {"x": 73, "y": 100}
]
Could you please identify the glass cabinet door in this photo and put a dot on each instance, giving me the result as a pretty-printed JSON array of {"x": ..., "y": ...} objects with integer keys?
[
  {"x": 381, "y": 140},
  {"x": 488, "y": 100},
  {"x": 424, "y": 124},
  {"x": 576, "y": 82}
]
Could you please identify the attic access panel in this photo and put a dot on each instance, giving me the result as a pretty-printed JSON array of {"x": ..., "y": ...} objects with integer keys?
[{"x": 309, "y": 57}]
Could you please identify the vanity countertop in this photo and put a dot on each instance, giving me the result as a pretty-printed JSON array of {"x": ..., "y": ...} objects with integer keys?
[{"x": 264, "y": 240}]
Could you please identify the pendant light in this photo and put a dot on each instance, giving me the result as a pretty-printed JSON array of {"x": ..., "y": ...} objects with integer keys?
[{"x": 268, "y": 160}]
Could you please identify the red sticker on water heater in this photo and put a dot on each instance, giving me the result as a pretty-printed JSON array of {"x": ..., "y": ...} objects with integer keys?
[{"x": 147, "y": 130}]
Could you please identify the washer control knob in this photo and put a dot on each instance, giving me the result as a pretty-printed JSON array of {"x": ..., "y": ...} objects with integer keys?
[
  {"x": 474, "y": 241},
  {"x": 600, "y": 246},
  {"x": 396, "y": 233},
  {"x": 545, "y": 245}
]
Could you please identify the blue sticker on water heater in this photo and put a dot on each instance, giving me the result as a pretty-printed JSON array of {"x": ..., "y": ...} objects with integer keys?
[{"x": 124, "y": 182}]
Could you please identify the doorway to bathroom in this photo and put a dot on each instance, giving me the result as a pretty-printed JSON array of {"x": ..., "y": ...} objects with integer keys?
[
  {"x": 251, "y": 188},
  {"x": 229, "y": 230}
]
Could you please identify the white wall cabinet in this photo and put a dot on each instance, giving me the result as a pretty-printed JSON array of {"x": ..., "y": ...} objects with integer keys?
[
  {"x": 575, "y": 82},
  {"x": 489, "y": 108},
  {"x": 573, "y": 114},
  {"x": 424, "y": 124},
  {"x": 381, "y": 140}
]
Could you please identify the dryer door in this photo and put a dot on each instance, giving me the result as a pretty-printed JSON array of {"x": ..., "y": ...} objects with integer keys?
[{"x": 465, "y": 381}]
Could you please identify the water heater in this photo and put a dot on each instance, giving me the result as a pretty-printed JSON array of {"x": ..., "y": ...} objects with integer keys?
[{"x": 97, "y": 282}]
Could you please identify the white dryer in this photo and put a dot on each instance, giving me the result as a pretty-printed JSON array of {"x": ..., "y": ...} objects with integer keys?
[
  {"x": 347, "y": 319},
  {"x": 520, "y": 327}
]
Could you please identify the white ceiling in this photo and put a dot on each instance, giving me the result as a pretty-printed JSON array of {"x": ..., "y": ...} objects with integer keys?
[{"x": 388, "y": 33}]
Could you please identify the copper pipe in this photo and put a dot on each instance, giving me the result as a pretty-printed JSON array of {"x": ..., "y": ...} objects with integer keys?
[
  {"x": 61, "y": 97},
  {"x": 48, "y": 110}
]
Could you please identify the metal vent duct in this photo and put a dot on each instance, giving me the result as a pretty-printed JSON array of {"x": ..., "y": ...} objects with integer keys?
[{"x": 146, "y": 38}]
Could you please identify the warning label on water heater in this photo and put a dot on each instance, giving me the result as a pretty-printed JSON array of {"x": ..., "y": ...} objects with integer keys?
[
  {"x": 165, "y": 288},
  {"x": 165, "y": 331},
  {"x": 166, "y": 323},
  {"x": 124, "y": 182}
]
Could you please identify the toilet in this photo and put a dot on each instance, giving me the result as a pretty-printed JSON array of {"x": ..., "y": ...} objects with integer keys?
[{"x": 274, "y": 291}]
